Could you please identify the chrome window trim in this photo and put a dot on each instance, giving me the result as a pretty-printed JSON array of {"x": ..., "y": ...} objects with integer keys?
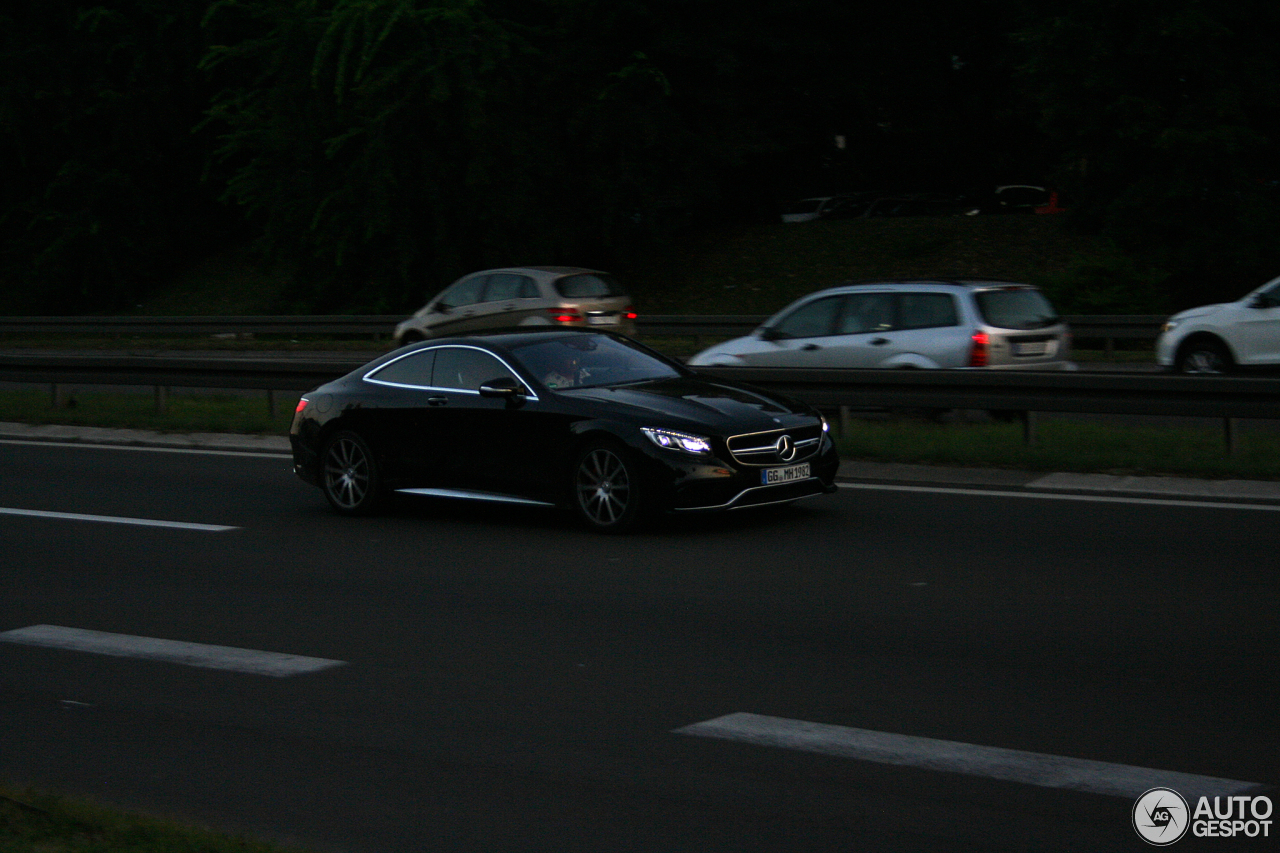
[{"x": 370, "y": 377}]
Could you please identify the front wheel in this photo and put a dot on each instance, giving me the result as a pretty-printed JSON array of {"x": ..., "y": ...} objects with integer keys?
[
  {"x": 606, "y": 488},
  {"x": 1204, "y": 356},
  {"x": 351, "y": 479}
]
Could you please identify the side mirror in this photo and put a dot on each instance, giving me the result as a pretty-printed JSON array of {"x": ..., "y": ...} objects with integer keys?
[
  {"x": 503, "y": 387},
  {"x": 769, "y": 333},
  {"x": 442, "y": 308},
  {"x": 1263, "y": 300}
]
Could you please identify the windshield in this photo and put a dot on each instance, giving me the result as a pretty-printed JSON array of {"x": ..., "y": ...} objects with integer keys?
[
  {"x": 1015, "y": 308},
  {"x": 590, "y": 361}
]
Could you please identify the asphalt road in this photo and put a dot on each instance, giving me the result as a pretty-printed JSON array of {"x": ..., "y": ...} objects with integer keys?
[{"x": 502, "y": 681}]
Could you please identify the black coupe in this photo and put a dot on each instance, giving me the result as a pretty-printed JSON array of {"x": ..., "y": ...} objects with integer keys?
[{"x": 588, "y": 420}]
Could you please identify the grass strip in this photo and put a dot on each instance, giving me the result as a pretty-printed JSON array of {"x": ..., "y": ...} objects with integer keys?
[
  {"x": 1061, "y": 445},
  {"x": 183, "y": 412},
  {"x": 41, "y": 822}
]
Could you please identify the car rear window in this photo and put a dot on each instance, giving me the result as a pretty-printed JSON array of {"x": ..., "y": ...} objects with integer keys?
[
  {"x": 1018, "y": 307},
  {"x": 588, "y": 285}
]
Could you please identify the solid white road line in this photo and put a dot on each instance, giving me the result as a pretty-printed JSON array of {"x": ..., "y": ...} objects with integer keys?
[
  {"x": 171, "y": 651},
  {"x": 997, "y": 493},
  {"x": 115, "y": 519},
  {"x": 1010, "y": 765}
]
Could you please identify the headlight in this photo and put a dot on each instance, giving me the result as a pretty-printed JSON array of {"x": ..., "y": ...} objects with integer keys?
[
  {"x": 1169, "y": 326},
  {"x": 672, "y": 440}
]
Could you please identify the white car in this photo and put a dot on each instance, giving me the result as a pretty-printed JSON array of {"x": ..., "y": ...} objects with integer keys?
[
  {"x": 1224, "y": 337},
  {"x": 995, "y": 325}
]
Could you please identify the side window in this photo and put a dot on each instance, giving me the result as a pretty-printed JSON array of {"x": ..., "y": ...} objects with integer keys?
[
  {"x": 466, "y": 292},
  {"x": 466, "y": 369},
  {"x": 412, "y": 370},
  {"x": 811, "y": 320},
  {"x": 928, "y": 310},
  {"x": 505, "y": 285},
  {"x": 867, "y": 312},
  {"x": 588, "y": 286}
]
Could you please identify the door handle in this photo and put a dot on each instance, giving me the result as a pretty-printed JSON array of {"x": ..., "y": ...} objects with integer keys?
[
  {"x": 810, "y": 347},
  {"x": 879, "y": 342},
  {"x": 437, "y": 401}
]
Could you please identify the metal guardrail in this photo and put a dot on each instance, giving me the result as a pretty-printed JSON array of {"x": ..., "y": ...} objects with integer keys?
[
  {"x": 359, "y": 324},
  {"x": 376, "y": 326},
  {"x": 1226, "y": 398}
]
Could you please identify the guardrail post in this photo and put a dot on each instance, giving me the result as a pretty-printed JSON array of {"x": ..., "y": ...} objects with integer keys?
[
  {"x": 1029, "y": 424},
  {"x": 1230, "y": 434},
  {"x": 58, "y": 395},
  {"x": 271, "y": 402},
  {"x": 162, "y": 399},
  {"x": 844, "y": 422}
]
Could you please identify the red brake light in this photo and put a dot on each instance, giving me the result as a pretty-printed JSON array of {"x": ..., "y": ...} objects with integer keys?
[
  {"x": 565, "y": 315},
  {"x": 302, "y": 404},
  {"x": 630, "y": 313},
  {"x": 978, "y": 355}
]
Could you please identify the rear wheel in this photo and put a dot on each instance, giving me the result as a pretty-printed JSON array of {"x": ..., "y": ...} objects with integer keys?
[
  {"x": 607, "y": 494},
  {"x": 1204, "y": 356},
  {"x": 350, "y": 477}
]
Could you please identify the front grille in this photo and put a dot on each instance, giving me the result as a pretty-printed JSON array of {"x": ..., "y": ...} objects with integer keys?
[{"x": 763, "y": 448}]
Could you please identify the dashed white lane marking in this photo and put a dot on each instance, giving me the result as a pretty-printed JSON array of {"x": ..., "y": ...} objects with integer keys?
[
  {"x": 171, "y": 651},
  {"x": 1010, "y": 765},
  {"x": 997, "y": 493},
  {"x": 116, "y": 519}
]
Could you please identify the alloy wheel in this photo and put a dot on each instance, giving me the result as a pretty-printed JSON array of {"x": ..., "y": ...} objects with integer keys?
[
  {"x": 350, "y": 478},
  {"x": 604, "y": 489},
  {"x": 1204, "y": 359}
]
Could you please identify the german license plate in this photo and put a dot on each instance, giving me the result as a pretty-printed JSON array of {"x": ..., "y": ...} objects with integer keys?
[
  {"x": 773, "y": 476},
  {"x": 602, "y": 319},
  {"x": 1037, "y": 348}
]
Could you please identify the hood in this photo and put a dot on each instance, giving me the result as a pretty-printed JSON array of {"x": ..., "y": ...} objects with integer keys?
[
  {"x": 1199, "y": 311},
  {"x": 726, "y": 407},
  {"x": 728, "y": 351}
]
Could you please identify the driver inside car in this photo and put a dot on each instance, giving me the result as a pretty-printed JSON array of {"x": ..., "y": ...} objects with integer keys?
[{"x": 564, "y": 374}]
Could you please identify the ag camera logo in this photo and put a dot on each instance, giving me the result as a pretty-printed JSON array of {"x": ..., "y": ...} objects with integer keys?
[{"x": 1160, "y": 816}]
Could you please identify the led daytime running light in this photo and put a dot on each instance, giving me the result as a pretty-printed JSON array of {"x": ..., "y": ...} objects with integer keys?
[{"x": 671, "y": 440}]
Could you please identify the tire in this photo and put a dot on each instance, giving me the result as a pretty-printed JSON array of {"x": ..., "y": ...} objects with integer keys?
[
  {"x": 1204, "y": 356},
  {"x": 606, "y": 493},
  {"x": 349, "y": 474}
]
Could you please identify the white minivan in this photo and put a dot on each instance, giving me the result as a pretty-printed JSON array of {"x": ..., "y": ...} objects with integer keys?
[{"x": 908, "y": 324}]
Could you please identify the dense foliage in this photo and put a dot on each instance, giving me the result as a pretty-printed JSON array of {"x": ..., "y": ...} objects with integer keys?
[{"x": 383, "y": 146}]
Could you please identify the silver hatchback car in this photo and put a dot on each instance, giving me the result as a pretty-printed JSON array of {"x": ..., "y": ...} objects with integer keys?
[
  {"x": 522, "y": 296},
  {"x": 908, "y": 324}
]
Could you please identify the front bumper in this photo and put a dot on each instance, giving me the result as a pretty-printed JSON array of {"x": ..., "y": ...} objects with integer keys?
[{"x": 707, "y": 484}]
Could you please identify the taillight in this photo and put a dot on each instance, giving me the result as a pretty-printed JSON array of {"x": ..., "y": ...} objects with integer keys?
[
  {"x": 978, "y": 355},
  {"x": 302, "y": 404},
  {"x": 565, "y": 315},
  {"x": 630, "y": 313}
]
